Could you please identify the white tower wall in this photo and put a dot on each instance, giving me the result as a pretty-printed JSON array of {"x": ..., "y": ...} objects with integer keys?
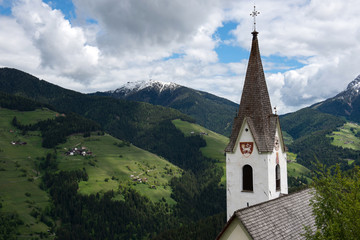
[{"x": 263, "y": 166}]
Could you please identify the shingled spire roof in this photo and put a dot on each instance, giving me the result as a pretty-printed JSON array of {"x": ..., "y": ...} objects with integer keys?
[{"x": 255, "y": 106}]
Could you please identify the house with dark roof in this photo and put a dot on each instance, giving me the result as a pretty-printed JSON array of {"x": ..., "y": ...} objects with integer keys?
[{"x": 281, "y": 218}]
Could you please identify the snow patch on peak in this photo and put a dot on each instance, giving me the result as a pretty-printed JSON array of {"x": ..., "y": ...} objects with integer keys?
[
  {"x": 355, "y": 84},
  {"x": 130, "y": 87},
  {"x": 351, "y": 92}
]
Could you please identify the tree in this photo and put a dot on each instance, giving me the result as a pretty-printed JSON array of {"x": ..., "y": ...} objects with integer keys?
[{"x": 336, "y": 205}]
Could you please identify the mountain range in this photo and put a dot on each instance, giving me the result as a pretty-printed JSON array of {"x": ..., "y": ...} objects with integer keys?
[
  {"x": 345, "y": 104},
  {"x": 143, "y": 114},
  {"x": 129, "y": 105},
  {"x": 217, "y": 113},
  {"x": 195, "y": 194},
  {"x": 210, "y": 111}
]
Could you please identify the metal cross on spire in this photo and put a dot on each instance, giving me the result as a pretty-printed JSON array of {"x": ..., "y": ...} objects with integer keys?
[{"x": 254, "y": 14}]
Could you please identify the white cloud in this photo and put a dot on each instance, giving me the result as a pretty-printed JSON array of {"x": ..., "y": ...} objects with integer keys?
[
  {"x": 132, "y": 40},
  {"x": 63, "y": 48},
  {"x": 324, "y": 34},
  {"x": 15, "y": 49},
  {"x": 152, "y": 28}
]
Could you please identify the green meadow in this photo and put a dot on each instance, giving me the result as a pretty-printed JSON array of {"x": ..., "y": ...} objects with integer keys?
[
  {"x": 19, "y": 180},
  {"x": 287, "y": 138},
  {"x": 296, "y": 170},
  {"x": 110, "y": 163},
  {"x": 113, "y": 162},
  {"x": 215, "y": 143},
  {"x": 346, "y": 137}
]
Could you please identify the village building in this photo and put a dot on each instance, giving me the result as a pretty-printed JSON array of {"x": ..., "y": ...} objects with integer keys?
[{"x": 256, "y": 167}]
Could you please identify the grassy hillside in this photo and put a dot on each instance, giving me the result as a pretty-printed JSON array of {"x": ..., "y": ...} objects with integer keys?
[
  {"x": 307, "y": 121},
  {"x": 115, "y": 162},
  {"x": 215, "y": 145},
  {"x": 112, "y": 163},
  {"x": 347, "y": 136},
  {"x": 310, "y": 129},
  {"x": 132, "y": 121},
  {"x": 19, "y": 178}
]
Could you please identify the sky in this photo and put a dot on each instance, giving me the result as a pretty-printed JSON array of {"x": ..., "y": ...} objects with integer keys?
[{"x": 310, "y": 48}]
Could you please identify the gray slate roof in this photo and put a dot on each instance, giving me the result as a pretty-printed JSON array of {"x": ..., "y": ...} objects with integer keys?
[
  {"x": 255, "y": 105},
  {"x": 280, "y": 218}
]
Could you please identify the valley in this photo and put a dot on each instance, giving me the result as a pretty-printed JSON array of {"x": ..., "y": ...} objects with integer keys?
[
  {"x": 153, "y": 163},
  {"x": 112, "y": 163}
]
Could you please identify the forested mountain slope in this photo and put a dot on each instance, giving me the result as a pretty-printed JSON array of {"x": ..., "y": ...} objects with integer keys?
[
  {"x": 127, "y": 120},
  {"x": 345, "y": 104},
  {"x": 309, "y": 129},
  {"x": 208, "y": 110},
  {"x": 196, "y": 192}
]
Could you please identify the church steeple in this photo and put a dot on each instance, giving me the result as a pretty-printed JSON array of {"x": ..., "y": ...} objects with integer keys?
[
  {"x": 255, "y": 104},
  {"x": 256, "y": 167}
]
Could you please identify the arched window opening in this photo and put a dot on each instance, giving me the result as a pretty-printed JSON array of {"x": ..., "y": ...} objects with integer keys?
[
  {"x": 247, "y": 178},
  {"x": 277, "y": 177}
]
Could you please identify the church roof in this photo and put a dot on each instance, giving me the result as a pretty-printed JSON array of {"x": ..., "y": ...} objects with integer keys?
[
  {"x": 280, "y": 218},
  {"x": 255, "y": 105}
]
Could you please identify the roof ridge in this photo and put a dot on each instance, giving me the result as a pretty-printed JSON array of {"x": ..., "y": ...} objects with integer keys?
[{"x": 275, "y": 199}]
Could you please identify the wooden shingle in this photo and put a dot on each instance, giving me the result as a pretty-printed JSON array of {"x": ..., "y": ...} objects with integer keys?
[
  {"x": 281, "y": 218},
  {"x": 255, "y": 105}
]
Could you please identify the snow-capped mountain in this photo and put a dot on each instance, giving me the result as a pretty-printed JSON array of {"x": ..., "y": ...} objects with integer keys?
[
  {"x": 352, "y": 91},
  {"x": 346, "y": 103},
  {"x": 208, "y": 110},
  {"x": 131, "y": 87}
]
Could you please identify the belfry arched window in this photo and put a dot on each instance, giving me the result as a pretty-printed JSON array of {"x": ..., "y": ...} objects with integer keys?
[
  {"x": 247, "y": 178},
  {"x": 277, "y": 177}
]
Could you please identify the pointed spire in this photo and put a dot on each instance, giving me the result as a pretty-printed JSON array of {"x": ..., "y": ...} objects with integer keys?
[
  {"x": 255, "y": 100},
  {"x": 255, "y": 106}
]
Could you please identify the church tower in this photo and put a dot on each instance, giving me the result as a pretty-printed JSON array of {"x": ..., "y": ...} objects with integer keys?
[{"x": 256, "y": 167}]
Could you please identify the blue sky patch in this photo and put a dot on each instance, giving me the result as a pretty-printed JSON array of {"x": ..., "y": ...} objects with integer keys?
[
  {"x": 227, "y": 52},
  {"x": 91, "y": 21},
  {"x": 66, "y": 6},
  {"x": 173, "y": 56},
  {"x": 224, "y": 32},
  {"x": 281, "y": 64},
  {"x": 5, "y": 8}
]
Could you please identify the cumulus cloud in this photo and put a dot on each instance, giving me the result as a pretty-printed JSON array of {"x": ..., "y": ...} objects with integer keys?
[
  {"x": 323, "y": 36},
  {"x": 15, "y": 49},
  {"x": 62, "y": 47},
  {"x": 111, "y": 42},
  {"x": 153, "y": 28}
]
